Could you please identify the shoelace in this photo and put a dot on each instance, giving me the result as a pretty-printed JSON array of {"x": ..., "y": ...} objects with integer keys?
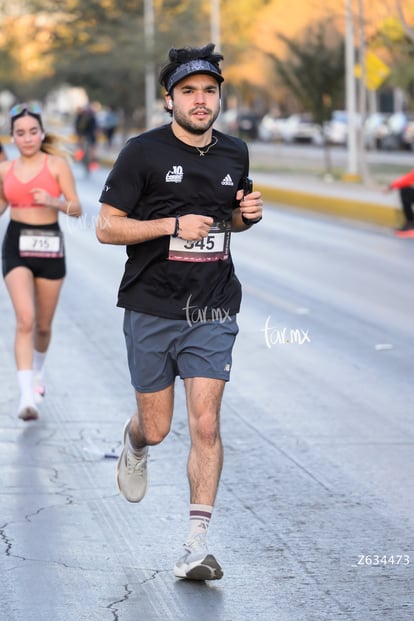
[{"x": 136, "y": 465}]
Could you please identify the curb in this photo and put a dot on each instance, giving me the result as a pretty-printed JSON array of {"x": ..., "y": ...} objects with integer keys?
[{"x": 372, "y": 213}]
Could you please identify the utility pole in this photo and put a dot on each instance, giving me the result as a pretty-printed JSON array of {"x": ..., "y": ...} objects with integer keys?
[
  {"x": 352, "y": 168},
  {"x": 215, "y": 24},
  {"x": 149, "y": 34},
  {"x": 366, "y": 177}
]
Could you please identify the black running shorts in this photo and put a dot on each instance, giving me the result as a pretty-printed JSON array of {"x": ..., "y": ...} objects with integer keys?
[{"x": 52, "y": 268}]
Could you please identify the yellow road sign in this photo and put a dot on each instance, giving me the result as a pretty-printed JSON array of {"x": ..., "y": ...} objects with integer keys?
[{"x": 376, "y": 71}]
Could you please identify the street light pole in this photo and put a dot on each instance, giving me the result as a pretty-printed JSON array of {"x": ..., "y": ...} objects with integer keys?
[
  {"x": 215, "y": 23},
  {"x": 352, "y": 170},
  {"x": 149, "y": 34}
]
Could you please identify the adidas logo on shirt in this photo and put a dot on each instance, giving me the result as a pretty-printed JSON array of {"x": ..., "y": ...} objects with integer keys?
[{"x": 227, "y": 180}]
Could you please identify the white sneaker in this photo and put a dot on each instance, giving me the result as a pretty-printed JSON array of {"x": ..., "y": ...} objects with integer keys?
[
  {"x": 197, "y": 563},
  {"x": 27, "y": 411},
  {"x": 131, "y": 473}
]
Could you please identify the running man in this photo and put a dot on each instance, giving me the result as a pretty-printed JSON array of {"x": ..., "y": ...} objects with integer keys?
[{"x": 173, "y": 197}]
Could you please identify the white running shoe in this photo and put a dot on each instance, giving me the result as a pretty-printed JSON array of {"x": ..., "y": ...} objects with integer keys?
[
  {"x": 197, "y": 563},
  {"x": 27, "y": 411},
  {"x": 131, "y": 473}
]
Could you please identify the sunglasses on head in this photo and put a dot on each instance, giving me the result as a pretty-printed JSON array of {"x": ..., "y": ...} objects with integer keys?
[{"x": 18, "y": 109}]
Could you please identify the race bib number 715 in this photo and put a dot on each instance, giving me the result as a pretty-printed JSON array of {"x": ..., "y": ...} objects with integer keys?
[{"x": 44, "y": 244}]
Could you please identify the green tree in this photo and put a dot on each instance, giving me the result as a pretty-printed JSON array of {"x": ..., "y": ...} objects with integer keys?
[
  {"x": 100, "y": 45},
  {"x": 408, "y": 30},
  {"x": 314, "y": 72},
  {"x": 395, "y": 39},
  {"x": 23, "y": 46}
]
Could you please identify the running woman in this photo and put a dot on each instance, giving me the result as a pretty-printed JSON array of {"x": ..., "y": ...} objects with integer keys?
[
  {"x": 173, "y": 197},
  {"x": 37, "y": 186}
]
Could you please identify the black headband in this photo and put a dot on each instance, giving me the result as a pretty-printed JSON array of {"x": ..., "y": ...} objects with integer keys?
[{"x": 190, "y": 68}]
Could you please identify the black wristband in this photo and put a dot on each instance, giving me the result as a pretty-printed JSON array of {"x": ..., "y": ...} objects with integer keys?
[
  {"x": 177, "y": 226},
  {"x": 250, "y": 222}
]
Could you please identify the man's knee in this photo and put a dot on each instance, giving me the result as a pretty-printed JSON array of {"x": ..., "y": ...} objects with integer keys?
[
  {"x": 154, "y": 415},
  {"x": 155, "y": 431},
  {"x": 205, "y": 428}
]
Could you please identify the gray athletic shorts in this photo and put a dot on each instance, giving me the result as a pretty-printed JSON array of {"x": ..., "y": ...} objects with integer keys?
[{"x": 159, "y": 349}]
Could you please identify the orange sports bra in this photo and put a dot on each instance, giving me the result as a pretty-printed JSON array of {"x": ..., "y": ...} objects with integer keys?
[{"x": 18, "y": 194}]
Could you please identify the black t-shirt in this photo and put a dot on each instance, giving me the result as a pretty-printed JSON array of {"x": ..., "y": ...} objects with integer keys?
[{"x": 157, "y": 176}]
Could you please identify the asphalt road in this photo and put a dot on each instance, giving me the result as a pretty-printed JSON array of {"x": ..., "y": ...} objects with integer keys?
[{"x": 314, "y": 518}]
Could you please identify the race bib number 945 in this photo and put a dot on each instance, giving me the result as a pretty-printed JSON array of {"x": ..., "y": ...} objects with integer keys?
[
  {"x": 42, "y": 244},
  {"x": 214, "y": 247}
]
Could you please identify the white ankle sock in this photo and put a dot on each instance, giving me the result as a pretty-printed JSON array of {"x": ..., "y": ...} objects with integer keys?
[
  {"x": 39, "y": 358},
  {"x": 200, "y": 516},
  {"x": 25, "y": 380},
  {"x": 137, "y": 452}
]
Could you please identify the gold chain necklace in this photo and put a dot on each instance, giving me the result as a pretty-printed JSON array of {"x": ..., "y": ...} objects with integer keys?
[{"x": 210, "y": 146}]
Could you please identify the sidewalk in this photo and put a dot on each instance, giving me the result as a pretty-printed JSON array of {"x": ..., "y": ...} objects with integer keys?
[
  {"x": 337, "y": 198},
  {"x": 310, "y": 191}
]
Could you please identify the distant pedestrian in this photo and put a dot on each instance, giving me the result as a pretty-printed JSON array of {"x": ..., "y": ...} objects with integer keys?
[
  {"x": 86, "y": 128},
  {"x": 110, "y": 125},
  {"x": 174, "y": 196},
  {"x": 37, "y": 185},
  {"x": 3, "y": 155},
  {"x": 405, "y": 186}
]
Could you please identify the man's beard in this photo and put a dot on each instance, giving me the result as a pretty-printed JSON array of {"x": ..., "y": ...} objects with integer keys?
[{"x": 194, "y": 128}]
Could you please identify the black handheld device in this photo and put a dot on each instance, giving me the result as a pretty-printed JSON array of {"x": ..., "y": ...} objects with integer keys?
[{"x": 247, "y": 186}]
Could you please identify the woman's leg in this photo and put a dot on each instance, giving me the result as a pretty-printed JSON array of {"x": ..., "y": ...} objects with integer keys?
[
  {"x": 34, "y": 301},
  {"x": 46, "y": 298},
  {"x": 20, "y": 285}
]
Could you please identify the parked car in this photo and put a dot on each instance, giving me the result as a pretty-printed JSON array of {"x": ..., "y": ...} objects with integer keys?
[
  {"x": 248, "y": 124},
  {"x": 392, "y": 131},
  {"x": 336, "y": 130},
  {"x": 239, "y": 123},
  {"x": 408, "y": 134},
  {"x": 373, "y": 128},
  {"x": 270, "y": 128},
  {"x": 301, "y": 128}
]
